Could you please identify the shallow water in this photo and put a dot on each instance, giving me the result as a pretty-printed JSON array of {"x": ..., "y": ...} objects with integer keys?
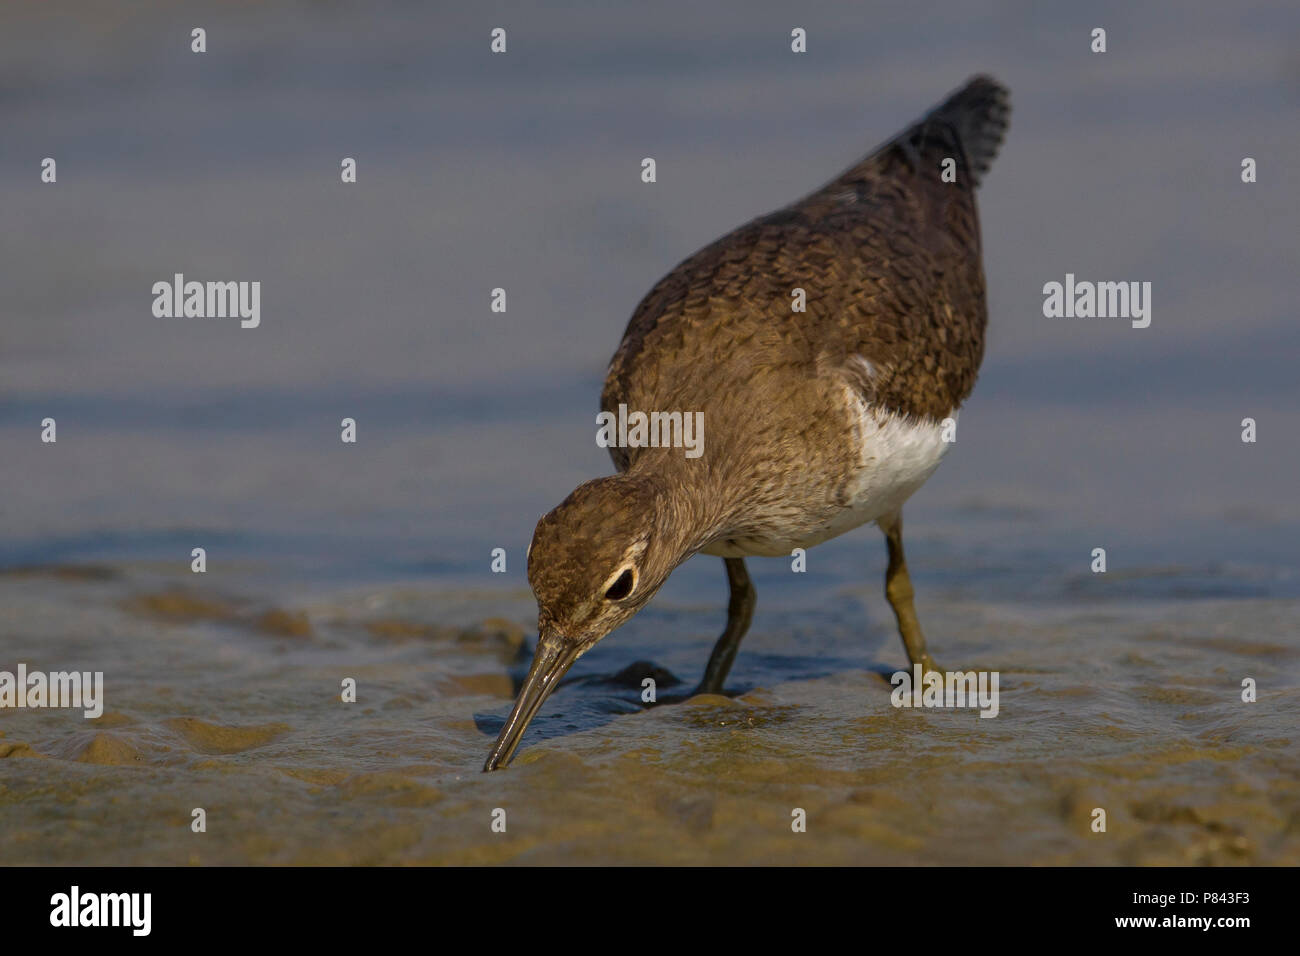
[
  {"x": 1129, "y": 706},
  {"x": 1118, "y": 690}
]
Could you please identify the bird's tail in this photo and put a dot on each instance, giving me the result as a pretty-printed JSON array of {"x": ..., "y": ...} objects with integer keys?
[{"x": 969, "y": 124}]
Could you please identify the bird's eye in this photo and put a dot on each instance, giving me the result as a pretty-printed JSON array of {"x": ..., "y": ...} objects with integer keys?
[{"x": 622, "y": 587}]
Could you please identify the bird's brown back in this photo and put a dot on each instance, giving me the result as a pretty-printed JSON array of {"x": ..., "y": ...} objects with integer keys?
[{"x": 889, "y": 258}]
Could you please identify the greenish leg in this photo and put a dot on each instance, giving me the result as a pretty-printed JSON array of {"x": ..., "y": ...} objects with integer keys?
[
  {"x": 740, "y": 610},
  {"x": 898, "y": 588}
]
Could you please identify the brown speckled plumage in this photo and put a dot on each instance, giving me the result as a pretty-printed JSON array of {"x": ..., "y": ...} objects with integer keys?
[
  {"x": 889, "y": 258},
  {"x": 815, "y": 421},
  {"x": 888, "y": 254}
]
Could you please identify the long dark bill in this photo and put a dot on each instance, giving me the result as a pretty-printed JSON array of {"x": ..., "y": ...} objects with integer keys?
[{"x": 554, "y": 656}]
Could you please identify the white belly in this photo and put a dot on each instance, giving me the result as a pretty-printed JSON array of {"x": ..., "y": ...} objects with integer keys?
[{"x": 895, "y": 455}]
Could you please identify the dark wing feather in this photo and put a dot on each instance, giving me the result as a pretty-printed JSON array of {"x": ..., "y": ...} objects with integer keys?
[{"x": 889, "y": 257}]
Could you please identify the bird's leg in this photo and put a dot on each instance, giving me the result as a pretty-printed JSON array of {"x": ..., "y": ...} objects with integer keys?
[
  {"x": 740, "y": 609},
  {"x": 898, "y": 588}
]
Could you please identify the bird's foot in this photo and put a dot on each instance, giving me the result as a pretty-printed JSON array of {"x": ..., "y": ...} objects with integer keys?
[{"x": 929, "y": 664}]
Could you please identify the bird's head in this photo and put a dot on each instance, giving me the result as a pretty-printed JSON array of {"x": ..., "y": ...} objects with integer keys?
[{"x": 594, "y": 562}]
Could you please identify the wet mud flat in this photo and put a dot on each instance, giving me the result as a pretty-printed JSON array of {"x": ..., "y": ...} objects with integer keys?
[{"x": 232, "y": 703}]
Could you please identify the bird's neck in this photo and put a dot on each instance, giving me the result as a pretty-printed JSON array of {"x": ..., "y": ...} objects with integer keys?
[{"x": 693, "y": 504}]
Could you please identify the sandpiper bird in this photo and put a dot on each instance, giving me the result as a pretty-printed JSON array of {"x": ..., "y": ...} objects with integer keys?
[{"x": 818, "y": 421}]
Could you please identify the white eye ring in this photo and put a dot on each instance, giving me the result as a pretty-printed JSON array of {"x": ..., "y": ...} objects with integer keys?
[{"x": 615, "y": 581}]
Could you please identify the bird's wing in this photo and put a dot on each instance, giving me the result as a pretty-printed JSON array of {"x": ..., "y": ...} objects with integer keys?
[{"x": 888, "y": 259}]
